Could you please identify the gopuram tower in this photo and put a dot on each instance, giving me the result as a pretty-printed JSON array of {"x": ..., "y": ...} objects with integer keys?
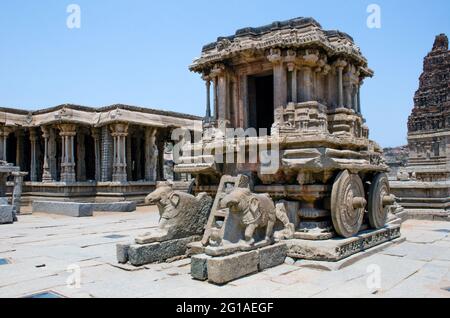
[
  {"x": 429, "y": 123},
  {"x": 425, "y": 187}
]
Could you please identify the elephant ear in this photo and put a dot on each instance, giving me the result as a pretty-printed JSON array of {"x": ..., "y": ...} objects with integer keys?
[
  {"x": 175, "y": 200},
  {"x": 254, "y": 205}
]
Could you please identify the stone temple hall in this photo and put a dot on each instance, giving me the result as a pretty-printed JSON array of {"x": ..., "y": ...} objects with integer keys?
[{"x": 84, "y": 154}]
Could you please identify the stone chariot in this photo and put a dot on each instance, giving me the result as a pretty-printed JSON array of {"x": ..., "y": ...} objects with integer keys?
[{"x": 301, "y": 84}]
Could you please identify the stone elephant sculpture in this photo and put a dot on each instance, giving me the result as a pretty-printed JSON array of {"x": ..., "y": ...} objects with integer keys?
[
  {"x": 181, "y": 214},
  {"x": 258, "y": 211}
]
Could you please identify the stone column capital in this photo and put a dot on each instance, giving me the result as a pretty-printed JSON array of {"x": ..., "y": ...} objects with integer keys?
[
  {"x": 150, "y": 132},
  {"x": 291, "y": 66},
  {"x": 7, "y": 131},
  {"x": 218, "y": 70},
  {"x": 207, "y": 79},
  {"x": 67, "y": 129},
  {"x": 309, "y": 58},
  {"x": 275, "y": 56},
  {"x": 119, "y": 129},
  {"x": 340, "y": 64},
  {"x": 95, "y": 132}
]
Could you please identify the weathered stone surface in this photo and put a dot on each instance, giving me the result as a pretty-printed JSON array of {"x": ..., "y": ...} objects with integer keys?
[
  {"x": 182, "y": 214},
  {"x": 142, "y": 254},
  {"x": 222, "y": 270},
  {"x": 272, "y": 256},
  {"x": 115, "y": 207},
  {"x": 199, "y": 266},
  {"x": 64, "y": 208},
  {"x": 6, "y": 214},
  {"x": 122, "y": 253},
  {"x": 337, "y": 249}
]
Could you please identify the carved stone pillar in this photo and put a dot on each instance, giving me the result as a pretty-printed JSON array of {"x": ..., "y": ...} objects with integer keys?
[
  {"x": 340, "y": 64},
  {"x": 138, "y": 164},
  {"x": 119, "y": 132},
  {"x": 279, "y": 80},
  {"x": 208, "y": 97},
  {"x": 68, "y": 133},
  {"x": 107, "y": 154},
  {"x": 160, "y": 144},
  {"x": 19, "y": 148},
  {"x": 17, "y": 192},
  {"x": 355, "y": 98},
  {"x": 128, "y": 158},
  {"x": 34, "y": 157},
  {"x": 358, "y": 93},
  {"x": 97, "y": 153},
  {"x": 348, "y": 95},
  {"x": 307, "y": 83},
  {"x": 52, "y": 154},
  {"x": 294, "y": 93},
  {"x": 3, "y": 140},
  {"x": 81, "y": 157},
  {"x": 221, "y": 91},
  {"x": 46, "y": 175},
  {"x": 151, "y": 154},
  {"x": 331, "y": 88},
  {"x": 216, "y": 103}
]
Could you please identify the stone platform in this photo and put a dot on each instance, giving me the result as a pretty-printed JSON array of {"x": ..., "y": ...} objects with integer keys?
[
  {"x": 416, "y": 268},
  {"x": 424, "y": 200},
  {"x": 337, "y": 249}
]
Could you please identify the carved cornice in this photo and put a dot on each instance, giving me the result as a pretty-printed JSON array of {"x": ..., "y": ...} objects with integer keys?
[{"x": 293, "y": 34}]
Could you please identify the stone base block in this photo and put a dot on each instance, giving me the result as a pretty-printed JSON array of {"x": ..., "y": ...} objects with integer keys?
[
  {"x": 222, "y": 270},
  {"x": 199, "y": 269},
  {"x": 272, "y": 256},
  {"x": 6, "y": 214},
  {"x": 115, "y": 207},
  {"x": 64, "y": 208},
  {"x": 139, "y": 255},
  {"x": 338, "y": 249}
]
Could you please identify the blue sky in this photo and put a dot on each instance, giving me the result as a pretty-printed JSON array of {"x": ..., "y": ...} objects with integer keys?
[{"x": 137, "y": 52}]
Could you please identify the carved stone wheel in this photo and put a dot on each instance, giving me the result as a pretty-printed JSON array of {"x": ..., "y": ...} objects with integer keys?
[
  {"x": 348, "y": 204},
  {"x": 380, "y": 199}
]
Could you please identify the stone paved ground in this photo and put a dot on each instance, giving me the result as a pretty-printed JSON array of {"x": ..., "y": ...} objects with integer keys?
[{"x": 41, "y": 248}]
